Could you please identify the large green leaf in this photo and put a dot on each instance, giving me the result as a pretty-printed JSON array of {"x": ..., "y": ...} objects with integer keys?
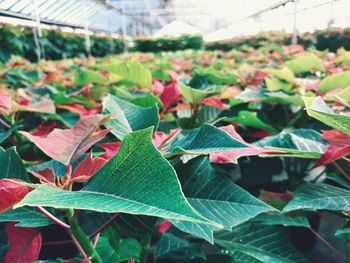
[
  {"x": 131, "y": 70},
  {"x": 319, "y": 196},
  {"x": 255, "y": 243},
  {"x": 303, "y": 143},
  {"x": 127, "y": 117},
  {"x": 319, "y": 110},
  {"x": 172, "y": 247},
  {"x": 338, "y": 80},
  {"x": 11, "y": 165},
  {"x": 26, "y": 217},
  {"x": 204, "y": 140},
  {"x": 216, "y": 198},
  {"x": 138, "y": 180},
  {"x": 305, "y": 63}
]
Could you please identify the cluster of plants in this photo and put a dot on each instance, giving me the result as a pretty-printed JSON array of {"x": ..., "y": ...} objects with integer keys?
[
  {"x": 168, "y": 43},
  {"x": 191, "y": 156},
  {"x": 55, "y": 45}
]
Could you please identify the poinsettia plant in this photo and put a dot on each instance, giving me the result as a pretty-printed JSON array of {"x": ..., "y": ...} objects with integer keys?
[{"x": 198, "y": 156}]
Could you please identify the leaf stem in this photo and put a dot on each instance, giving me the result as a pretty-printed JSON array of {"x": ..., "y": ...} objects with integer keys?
[
  {"x": 341, "y": 171},
  {"x": 327, "y": 243},
  {"x": 103, "y": 227},
  {"x": 52, "y": 217}
]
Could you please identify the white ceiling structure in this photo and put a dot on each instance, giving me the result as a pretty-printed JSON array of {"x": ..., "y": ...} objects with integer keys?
[{"x": 216, "y": 19}]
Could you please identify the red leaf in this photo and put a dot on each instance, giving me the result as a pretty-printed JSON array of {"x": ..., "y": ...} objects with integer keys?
[
  {"x": 277, "y": 200},
  {"x": 170, "y": 94},
  {"x": 214, "y": 102},
  {"x": 111, "y": 149},
  {"x": 11, "y": 192},
  {"x": 87, "y": 168},
  {"x": 67, "y": 145},
  {"x": 163, "y": 227},
  {"x": 47, "y": 175},
  {"x": 24, "y": 244},
  {"x": 233, "y": 155},
  {"x": 339, "y": 146},
  {"x": 45, "y": 128}
]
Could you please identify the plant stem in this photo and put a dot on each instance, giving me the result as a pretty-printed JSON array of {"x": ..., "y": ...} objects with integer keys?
[
  {"x": 82, "y": 239},
  {"x": 52, "y": 217},
  {"x": 146, "y": 244}
]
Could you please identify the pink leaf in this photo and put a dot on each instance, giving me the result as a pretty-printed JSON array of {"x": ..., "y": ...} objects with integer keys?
[
  {"x": 232, "y": 156},
  {"x": 11, "y": 192},
  {"x": 214, "y": 102},
  {"x": 170, "y": 94},
  {"x": 111, "y": 149},
  {"x": 67, "y": 145},
  {"x": 24, "y": 244},
  {"x": 163, "y": 227},
  {"x": 339, "y": 146},
  {"x": 160, "y": 138},
  {"x": 87, "y": 168}
]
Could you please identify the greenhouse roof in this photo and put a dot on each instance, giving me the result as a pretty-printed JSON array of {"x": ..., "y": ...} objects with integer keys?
[{"x": 147, "y": 17}]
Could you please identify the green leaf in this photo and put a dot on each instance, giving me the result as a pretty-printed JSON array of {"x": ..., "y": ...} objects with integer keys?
[
  {"x": 138, "y": 180},
  {"x": 196, "y": 229},
  {"x": 216, "y": 197},
  {"x": 276, "y": 84},
  {"x": 251, "y": 119},
  {"x": 278, "y": 97},
  {"x": 282, "y": 74},
  {"x": 131, "y": 70},
  {"x": 319, "y": 196},
  {"x": 254, "y": 243},
  {"x": 284, "y": 220},
  {"x": 217, "y": 77},
  {"x": 303, "y": 143},
  {"x": 127, "y": 117},
  {"x": 338, "y": 80},
  {"x": 342, "y": 231},
  {"x": 88, "y": 76},
  {"x": 318, "y": 109},
  {"x": 26, "y": 217},
  {"x": 305, "y": 63},
  {"x": 11, "y": 165},
  {"x": 342, "y": 96},
  {"x": 5, "y": 133},
  {"x": 129, "y": 248},
  {"x": 203, "y": 140},
  {"x": 170, "y": 246},
  {"x": 194, "y": 95}
]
